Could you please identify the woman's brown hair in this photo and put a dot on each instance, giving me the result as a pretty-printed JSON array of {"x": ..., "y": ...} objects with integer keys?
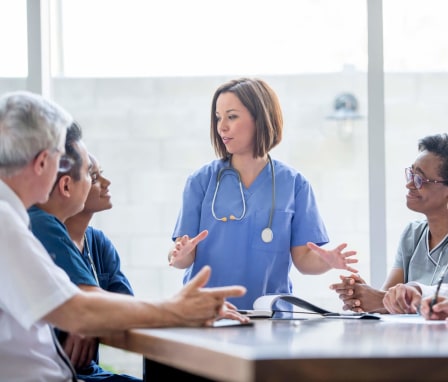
[{"x": 264, "y": 106}]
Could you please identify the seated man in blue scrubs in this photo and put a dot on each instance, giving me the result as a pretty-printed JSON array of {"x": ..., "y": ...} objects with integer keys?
[
  {"x": 103, "y": 259},
  {"x": 68, "y": 198}
]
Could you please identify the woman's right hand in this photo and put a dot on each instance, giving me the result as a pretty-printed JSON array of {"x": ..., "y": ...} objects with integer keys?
[
  {"x": 184, "y": 251},
  {"x": 439, "y": 310}
]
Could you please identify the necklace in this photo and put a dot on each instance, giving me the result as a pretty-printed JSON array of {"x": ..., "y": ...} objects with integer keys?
[{"x": 86, "y": 245}]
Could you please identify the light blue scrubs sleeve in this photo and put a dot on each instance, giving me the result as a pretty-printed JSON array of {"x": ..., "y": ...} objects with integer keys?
[
  {"x": 188, "y": 220},
  {"x": 399, "y": 261},
  {"x": 407, "y": 246},
  {"x": 307, "y": 224}
]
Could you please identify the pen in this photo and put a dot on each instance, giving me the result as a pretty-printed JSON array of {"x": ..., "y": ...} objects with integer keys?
[{"x": 436, "y": 295}]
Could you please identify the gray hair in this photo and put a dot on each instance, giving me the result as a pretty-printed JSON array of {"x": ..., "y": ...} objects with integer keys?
[{"x": 29, "y": 124}]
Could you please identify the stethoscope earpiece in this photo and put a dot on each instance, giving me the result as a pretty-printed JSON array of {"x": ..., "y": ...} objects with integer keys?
[{"x": 266, "y": 235}]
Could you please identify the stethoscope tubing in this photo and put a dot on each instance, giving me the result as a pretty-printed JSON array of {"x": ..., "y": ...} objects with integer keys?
[
  {"x": 218, "y": 182},
  {"x": 442, "y": 247},
  {"x": 267, "y": 234}
]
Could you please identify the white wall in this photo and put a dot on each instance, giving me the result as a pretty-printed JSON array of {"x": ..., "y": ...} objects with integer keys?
[{"x": 150, "y": 133}]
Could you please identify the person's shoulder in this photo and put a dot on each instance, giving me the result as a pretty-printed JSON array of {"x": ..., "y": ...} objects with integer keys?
[
  {"x": 35, "y": 211},
  {"x": 213, "y": 165},
  {"x": 7, "y": 213},
  {"x": 37, "y": 214},
  {"x": 419, "y": 224},
  {"x": 96, "y": 234},
  {"x": 208, "y": 169},
  {"x": 286, "y": 170},
  {"x": 92, "y": 231},
  {"x": 6, "y": 208},
  {"x": 415, "y": 227}
]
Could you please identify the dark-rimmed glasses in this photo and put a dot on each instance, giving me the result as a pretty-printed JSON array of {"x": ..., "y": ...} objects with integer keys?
[
  {"x": 64, "y": 167},
  {"x": 418, "y": 180}
]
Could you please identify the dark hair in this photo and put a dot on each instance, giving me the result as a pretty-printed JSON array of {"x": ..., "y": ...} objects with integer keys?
[
  {"x": 438, "y": 145},
  {"x": 264, "y": 106},
  {"x": 74, "y": 135}
]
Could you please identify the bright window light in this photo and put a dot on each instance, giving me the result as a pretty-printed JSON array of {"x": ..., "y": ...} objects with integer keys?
[
  {"x": 145, "y": 38},
  {"x": 201, "y": 37},
  {"x": 13, "y": 61}
]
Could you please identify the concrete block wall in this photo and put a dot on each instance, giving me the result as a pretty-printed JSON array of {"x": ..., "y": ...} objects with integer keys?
[{"x": 150, "y": 133}]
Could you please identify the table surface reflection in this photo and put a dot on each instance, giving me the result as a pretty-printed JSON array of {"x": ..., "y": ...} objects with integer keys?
[{"x": 391, "y": 349}]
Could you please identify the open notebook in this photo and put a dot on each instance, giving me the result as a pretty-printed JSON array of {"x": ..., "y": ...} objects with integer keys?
[{"x": 266, "y": 306}]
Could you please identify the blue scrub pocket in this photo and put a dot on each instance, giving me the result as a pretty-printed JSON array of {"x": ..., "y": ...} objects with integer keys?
[{"x": 281, "y": 229}]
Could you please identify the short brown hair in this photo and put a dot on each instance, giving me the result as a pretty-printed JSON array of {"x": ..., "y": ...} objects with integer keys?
[{"x": 264, "y": 106}]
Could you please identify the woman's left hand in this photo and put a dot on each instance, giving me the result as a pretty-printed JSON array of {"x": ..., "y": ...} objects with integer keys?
[{"x": 336, "y": 258}]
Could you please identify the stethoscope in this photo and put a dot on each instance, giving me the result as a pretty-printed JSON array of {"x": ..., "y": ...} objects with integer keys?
[
  {"x": 92, "y": 264},
  {"x": 266, "y": 234},
  {"x": 437, "y": 265},
  {"x": 441, "y": 252}
]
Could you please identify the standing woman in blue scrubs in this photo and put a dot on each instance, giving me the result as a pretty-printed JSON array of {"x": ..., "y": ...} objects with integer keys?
[{"x": 257, "y": 215}]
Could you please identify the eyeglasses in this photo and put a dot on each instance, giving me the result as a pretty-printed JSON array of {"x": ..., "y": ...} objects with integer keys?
[
  {"x": 65, "y": 164},
  {"x": 418, "y": 180}
]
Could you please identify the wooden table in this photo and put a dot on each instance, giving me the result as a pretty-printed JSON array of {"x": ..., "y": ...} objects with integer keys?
[{"x": 323, "y": 349}]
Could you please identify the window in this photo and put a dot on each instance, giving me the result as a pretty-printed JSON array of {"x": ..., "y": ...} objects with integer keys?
[
  {"x": 13, "y": 38},
  {"x": 140, "y": 38}
]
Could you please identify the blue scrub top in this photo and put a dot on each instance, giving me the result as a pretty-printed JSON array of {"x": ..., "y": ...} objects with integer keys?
[
  {"x": 234, "y": 249},
  {"x": 54, "y": 236},
  {"x": 107, "y": 262}
]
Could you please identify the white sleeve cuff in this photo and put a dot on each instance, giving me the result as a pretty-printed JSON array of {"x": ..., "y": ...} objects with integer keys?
[{"x": 427, "y": 290}]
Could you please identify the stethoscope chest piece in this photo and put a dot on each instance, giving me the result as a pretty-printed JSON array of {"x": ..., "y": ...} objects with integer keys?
[{"x": 267, "y": 235}]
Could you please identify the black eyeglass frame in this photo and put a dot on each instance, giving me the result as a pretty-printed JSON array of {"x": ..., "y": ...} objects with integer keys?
[{"x": 418, "y": 180}]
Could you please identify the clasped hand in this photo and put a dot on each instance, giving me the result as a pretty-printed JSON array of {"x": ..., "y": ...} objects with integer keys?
[{"x": 357, "y": 296}]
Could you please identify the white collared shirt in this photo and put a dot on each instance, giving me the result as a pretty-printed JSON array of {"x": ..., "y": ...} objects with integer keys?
[{"x": 32, "y": 286}]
